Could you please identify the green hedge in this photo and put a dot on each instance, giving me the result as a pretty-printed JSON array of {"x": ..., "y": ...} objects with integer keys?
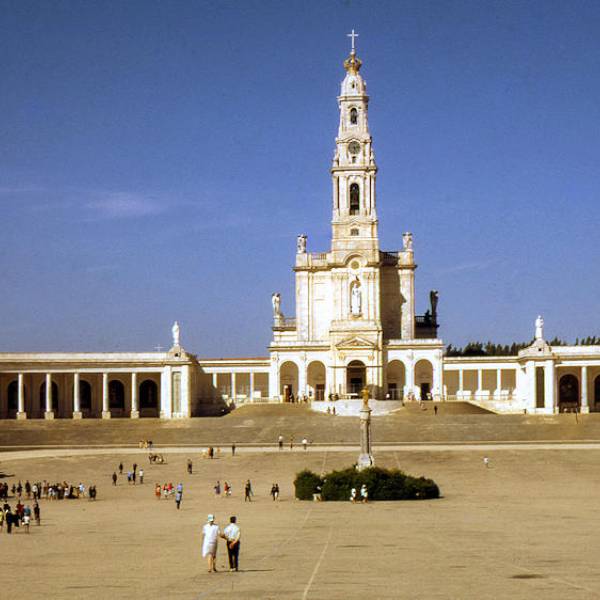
[{"x": 382, "y": 484}]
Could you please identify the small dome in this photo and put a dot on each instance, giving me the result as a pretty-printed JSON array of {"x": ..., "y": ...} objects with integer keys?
[{"x": 352, "y": 64}]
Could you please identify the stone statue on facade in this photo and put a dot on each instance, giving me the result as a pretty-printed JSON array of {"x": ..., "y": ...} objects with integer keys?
[
  {"x": 539, "y": 328},
  {"x": 276, "y": 301},
  {"x": 356, "y": 298},
  {"x": 301, "y": 244},
  {"x": 175, "y": 331},
  {"x": 433, "y": 298},
  {"x": 407, "y": 240}
]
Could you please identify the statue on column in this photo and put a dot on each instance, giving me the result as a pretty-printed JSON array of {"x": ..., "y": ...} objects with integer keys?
[
  {"x": 407, "y": 240},
  {"x": 356, "y": 298},
  {"x": 301, "y": 244},
  {"x": 539, "y": 328},
  {"x": 175, "y": 331},
  {"x": 276, "y": 301}
]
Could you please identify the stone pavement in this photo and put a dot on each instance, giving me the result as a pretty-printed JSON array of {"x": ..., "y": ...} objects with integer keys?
[{"x": 524, "y": 528}]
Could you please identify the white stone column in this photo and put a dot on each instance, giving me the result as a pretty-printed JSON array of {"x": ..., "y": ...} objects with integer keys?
[
  {"x": 498, "y": 383},
  {"x": 410, "y": 378},
  {"x": 135, "y": 411},
  {"x": 165, "y": 393},
  {"x": 436, "y": 392},
  {"x": 251, "y": 386},
  {"x": 479, "y": 383},
  {"x": 76, "y": 397},
  {"x": 232, "y": 391},
  {"x": 531, "y": 385},
  {"x": 274, "y": 380},
  {"x": 585, "y": 407},
  {"x": 49, "y": 413},
  {"x": 215, "y": 384},
  {"x": 105, "y": 407},
  {"x": 186, "y": 392},
  {"x": 21, "y": 414},
  {"x": 549, "y": 387},
  {"x": 461, "y": 383},
  {"x": 301, "y": 391}
]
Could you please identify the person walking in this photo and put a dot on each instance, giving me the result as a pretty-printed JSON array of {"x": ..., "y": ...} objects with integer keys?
[
  {"x": 217, "y": 489},
  {"x": 178, "y": 497},
  {"x": 36, "y": 513},
  {"x": 114, "y": 478},
  {"x": 210, "y": 533},
  {"x": 291, "y": 442},
  {"x": 275, "y": 491},
  {"x": 233, "y": 449},
  {"x": 280, "y": 442},
  {"x": 141, "y": 476},
  {"x": 248, "y": 492},
  {"x": 157, "y": 490},
  {"x": 120, "y": 468},
  {"x": 226, "y": 489},
  {"x": 364, "y": 494},
  {"x": 305, "y": 443},
  {"x": 353, "y": 495},
  {"x": 232, "y": 535},
  {"x": 189, "y": 466}
]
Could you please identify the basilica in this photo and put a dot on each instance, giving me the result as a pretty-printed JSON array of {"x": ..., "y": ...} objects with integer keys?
[{"x": 355, "y": 326}]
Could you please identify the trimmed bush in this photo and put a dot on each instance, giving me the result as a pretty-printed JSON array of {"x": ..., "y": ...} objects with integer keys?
[
  {"x": 307, "y": 483},
  {"x": 382, "y": 484}
]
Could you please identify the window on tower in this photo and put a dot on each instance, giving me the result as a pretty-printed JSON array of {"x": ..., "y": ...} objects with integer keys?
[
  {"x": 353, "y": 232},
  {"x": 354, "y": 199},
  {"x": 353, "y": 116}
]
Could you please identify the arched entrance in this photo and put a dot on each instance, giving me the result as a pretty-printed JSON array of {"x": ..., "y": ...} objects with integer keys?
[
  {"x": 316, "y": 376},
  {"x": 148, "y": 398},
  {"x": 54, "y": 403},
  {"x": 597, "y": 393},
  {"x": 85, "y": 396},
  {"x": 12, "y": 396},
  {"x": 396, "y": 380},
  {"x": 568, "y": 393},
  {"x": 356, "y": 377},
  {"x": 288, "y": 381},
  {"x": 116, "y": 395},
  {"x": 424, "y": 379}
]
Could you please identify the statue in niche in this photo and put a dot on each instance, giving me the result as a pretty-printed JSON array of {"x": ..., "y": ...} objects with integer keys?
[
  {"x": 301, "y": 244},
  {"x": 276, "y": 301},
  {"x": 539, "y": 328},
  {"x": 355, "y": 298},
  {"x": 407, "y": 240},
  {"x": 175, "y": 331},
  {"x": 433, "y": 299}
]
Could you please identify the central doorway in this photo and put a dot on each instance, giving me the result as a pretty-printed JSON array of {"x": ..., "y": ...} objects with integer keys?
[
  {"x": 356, "y": 377},
  {"x": 568, "y": 393}
]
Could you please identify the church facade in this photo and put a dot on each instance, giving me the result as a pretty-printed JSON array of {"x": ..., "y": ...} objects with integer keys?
[{"x": 355, "y": 327}]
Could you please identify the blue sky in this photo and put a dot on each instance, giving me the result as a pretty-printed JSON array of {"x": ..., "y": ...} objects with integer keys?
[{"x": 157, "y": 160}]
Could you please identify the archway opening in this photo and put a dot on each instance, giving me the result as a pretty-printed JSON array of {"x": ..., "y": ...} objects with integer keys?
[
  {"x": 148, "y": 398},
  {"x": 85, "y": 395},
  {"x": 424, "y": 379},
  {"x": 396, "y": 380},
  {"x": 288, "y": 381},
  {"x": 354, "y": 199},
  {"x": 316, "y": 379},
  {"x": 568, "y": 393},
  {"x": 356, "y": 377},
  {"x": 597, "y": 393},
  {"x": 12, "y": 397},
  {"x": 116, "y": 395}
]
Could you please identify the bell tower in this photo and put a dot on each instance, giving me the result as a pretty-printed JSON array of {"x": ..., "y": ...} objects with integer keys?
[{"x": 354, "y": 220}]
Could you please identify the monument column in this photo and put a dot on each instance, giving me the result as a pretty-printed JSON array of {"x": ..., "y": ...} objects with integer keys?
[
  {"x": 165, "y": 393},
  {"x": 461, "y": 383},
  {"x": 232, "y": 391},
  {"x": 135, "y": 411},
  {"x": 105, "y": 407},
  {"x": 76, "y": 397},
  {"x": 49, "y": 413},
  {"x": 585, "y": 407},
  {"x": 21, "y": 414},
  {"x": 215, "y": 384},
  {"x": 251, "y": 386}
]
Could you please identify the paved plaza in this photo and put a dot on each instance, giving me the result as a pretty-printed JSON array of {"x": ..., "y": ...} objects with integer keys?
[{"x": 526, "y": 527}]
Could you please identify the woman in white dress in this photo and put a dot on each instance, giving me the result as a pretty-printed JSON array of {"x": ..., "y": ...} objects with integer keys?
[{"x": 211, "y": 534}]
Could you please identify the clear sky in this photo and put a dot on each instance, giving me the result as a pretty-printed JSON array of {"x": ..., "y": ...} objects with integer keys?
[{"x": 157, "y": 160}]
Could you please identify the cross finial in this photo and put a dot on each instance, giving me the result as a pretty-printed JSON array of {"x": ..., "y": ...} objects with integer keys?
[{"x": 352, "y": 36}]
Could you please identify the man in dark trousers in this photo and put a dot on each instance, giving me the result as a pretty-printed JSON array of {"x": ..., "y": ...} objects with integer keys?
[
  {"x": 114, "y": 478},
  {"x": 231, "y": 534}
]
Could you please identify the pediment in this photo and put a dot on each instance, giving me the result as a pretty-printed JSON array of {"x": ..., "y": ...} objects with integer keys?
[{"x": 355, "y": 342}]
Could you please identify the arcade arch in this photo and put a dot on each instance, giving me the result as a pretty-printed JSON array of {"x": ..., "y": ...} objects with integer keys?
[
  {"x": 288, "y": 380},
  {"x": 424, "y": 378},
  {"x": 316, "y": 380},
  {"x": 356, "y": 377},
  {"x": 568, "y": 393},
  {"x": 396, "y": 380}
]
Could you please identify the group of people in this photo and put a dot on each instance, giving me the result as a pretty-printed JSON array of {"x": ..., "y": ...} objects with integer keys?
[
  {"x": 304, "y": 442},
  {"x": 132, "y": 475},
  {"x": 21, "y": 516},
  {"x": 364, "y": 495},
  {"x": 45, "y": 489},
  {"x": 168, "y": 490},
  {"x": 211, "y": 534}
]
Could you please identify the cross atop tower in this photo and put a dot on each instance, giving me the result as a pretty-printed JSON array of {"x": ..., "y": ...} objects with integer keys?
[{"x": 352, "y": 35}]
